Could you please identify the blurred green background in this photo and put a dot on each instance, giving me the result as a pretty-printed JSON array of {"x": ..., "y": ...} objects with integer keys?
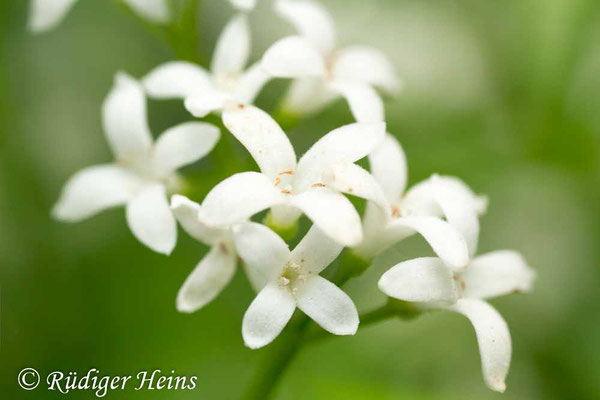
[{"x": 504, "y": 94}]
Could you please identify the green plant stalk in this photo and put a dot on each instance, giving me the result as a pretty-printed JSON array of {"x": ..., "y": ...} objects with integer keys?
[{"x": 280, "y": 355}]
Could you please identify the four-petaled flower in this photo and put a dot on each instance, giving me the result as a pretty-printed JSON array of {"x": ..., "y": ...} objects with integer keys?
[
  {"x": 313, "y": 185},
  {"x": 324, "y": 72},
  {"x": 206, "y": 92},
  {"x": 292, "y": 280},
  {"x": 143, "y": 172},
  {"x": 47, "y": 14},
  {"x": 419, "y": 210},
  {"x": 431, "y": 283}
]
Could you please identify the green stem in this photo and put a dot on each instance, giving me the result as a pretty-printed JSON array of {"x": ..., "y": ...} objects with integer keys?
[
  {"x": 392, "y": 308},
  {"x": 351, "y": 265},
  {"x": 281, "y": 354}
]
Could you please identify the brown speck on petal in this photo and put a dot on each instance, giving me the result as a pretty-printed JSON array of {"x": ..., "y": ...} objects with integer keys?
[
  {"x": 223, "y": 247},
  {"x": 318, "y": 185}
]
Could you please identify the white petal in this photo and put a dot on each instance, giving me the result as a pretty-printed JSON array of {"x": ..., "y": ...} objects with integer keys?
[
  {"x": 420, "y": 200},
  {"x": 266, "y": 317},
  {"x": 308, "y": 95},
  {"x": 250, "y": 83},
  {"x": 364, "y": 101},
  {"x": 389, "y": 167},
  {"x": 368, "y": 65},
  {"x": 243, "y": 5},
  {"x": 256, "y": 278},
  {"x": 184, "y": 144},
  {"x": 186, "y": 212},
  {"x": 443, "y": 238},
  {"x": 153, "y": 10},
  {"x": 94, "y": 189},
  {"x": 208, "y": 279},
  {"x": 176, "y": 79},
  {"x": 316, "y": 251},
  {"x": 332, "y": 213},
  {"x": 46, "y": 14},
  {"x": 261, "y": 248},
  {"x": 496, "y": 274},
  {"x": 355, "y": 180},
  {"x": 458, "y": 210},
  {"x": 124, "y": 118},
  {"x": 203, "y": 103},
  {"x": 262, "y": 137},
  {"x": 479, "y": 202},
  {"x": 347, "y": 144},
  {"x": 328, "y": 306},
  {"x": 233, "y": 47},
  {"x": 151, "y": 220},
  {"x": 374, "y": 222},
  {"x": 311, "y": 20},
  {"x": 424, "y": 279},
  {"x": 237, "y": 198},
  {"x": 293, "y": 57},
  {"x": 493, "y": 338}
]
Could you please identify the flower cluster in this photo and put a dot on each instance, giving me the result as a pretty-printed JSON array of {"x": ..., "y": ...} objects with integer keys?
[{"x": 144, "y": 178}]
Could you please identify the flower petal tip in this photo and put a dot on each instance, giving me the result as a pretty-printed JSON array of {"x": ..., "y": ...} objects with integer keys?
[
  {"x": 177, "y": 201},
  {"x": 253, "y": 344},
  {"x": 497, "y": 385}
]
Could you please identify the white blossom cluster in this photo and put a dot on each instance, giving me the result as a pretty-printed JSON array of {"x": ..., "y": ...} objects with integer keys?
[{"x": 143, "y": 177}]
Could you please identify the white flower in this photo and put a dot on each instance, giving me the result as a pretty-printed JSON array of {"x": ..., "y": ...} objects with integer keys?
[
  {"x": 292, "y": 280},
  {"x": 243, "y": 5},
  {"x": 419, "y": 209},
  {"x": 143, "y": 171},
  {"x": 312, "y": 185},
  {"x": 206, "y": 92},
  {"x": 431, "y": 283},
  {"x": 217, "y": 268},
  {"x": 323, "y": 71},
  {"x": 47, "y": 14}
]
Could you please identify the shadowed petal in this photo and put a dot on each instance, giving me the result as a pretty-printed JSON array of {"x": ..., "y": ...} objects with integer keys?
[
  {"x": 311, "y": 20},
  {"x": 493, "y": 337},
  {"x": 47, "y": 14},
  {"x": 94, "y": 189},
  {"x": 424, "y": 279},
  {"x": 124, "y": 119},
  {"x": 266, "y": 317},
  {"x": 237, "y": 198},
  {"x": 151, "y": 220},
  {"x": 328, "y": 305},
  {"x": 176, "y": 79},
  {"x": 184, "y": 144},
  {"x": 208, "y": 279},
  {"x": 496, "y": 274}
]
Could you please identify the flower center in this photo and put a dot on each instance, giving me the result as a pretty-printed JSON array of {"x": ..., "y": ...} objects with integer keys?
[
  {"x": 283, "y": 181},
  {"x": 291, "y": 276},
  {"x": 461, "y": 284},
  {"x": 226, "y": 81}
]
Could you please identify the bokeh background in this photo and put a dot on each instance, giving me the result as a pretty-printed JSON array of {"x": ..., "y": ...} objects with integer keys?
[{"x": 505, "y": 94}]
